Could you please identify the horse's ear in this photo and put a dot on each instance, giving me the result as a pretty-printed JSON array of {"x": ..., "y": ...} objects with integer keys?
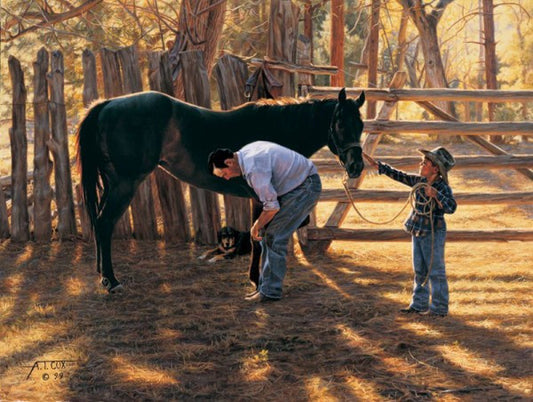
[
  {"x": 342, "y": 95},
  {"x": 359, "y": 101}
]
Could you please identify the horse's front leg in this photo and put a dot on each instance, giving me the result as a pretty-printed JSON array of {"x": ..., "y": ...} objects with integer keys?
[
  {"x": 254, "y": 270},
  {"x": 255, "y": 260}
]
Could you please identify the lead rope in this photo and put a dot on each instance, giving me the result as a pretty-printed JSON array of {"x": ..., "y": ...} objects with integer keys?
[{"x": 411, "y": 199}]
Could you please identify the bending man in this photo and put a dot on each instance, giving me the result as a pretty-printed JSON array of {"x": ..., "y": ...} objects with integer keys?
[{"x": 288, "y": 186}]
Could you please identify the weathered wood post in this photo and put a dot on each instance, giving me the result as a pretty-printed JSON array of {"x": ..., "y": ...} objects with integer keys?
[
  {"x": 19, "y": 149},
  {"x": 142, "y": 205},
  {"x": 204, "y": 203},
  {"x": 42, "y": 191},
  {"x": 303, "y": 57},
  {"x": 169, "y": 189},
  {"x": 90, "y": 94},
  {"x": 113, "y": 86},
  {"x": 90, "y": 86},
  {"x": 231, "y": 73},
  {"x": 66, "y": 227},
  {"x": 282, "y": 38}
]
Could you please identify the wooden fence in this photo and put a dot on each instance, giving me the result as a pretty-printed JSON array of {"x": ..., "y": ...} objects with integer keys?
[
  {"x": 160, "y": 208},
  {"x": 472, "y": 131}
]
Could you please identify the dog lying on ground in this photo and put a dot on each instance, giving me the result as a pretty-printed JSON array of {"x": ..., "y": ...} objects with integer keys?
[{"x": 231, "y": 243}]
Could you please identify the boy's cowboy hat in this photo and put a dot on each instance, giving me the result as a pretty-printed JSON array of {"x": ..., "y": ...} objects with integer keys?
[{"x": 441, "y": 158}]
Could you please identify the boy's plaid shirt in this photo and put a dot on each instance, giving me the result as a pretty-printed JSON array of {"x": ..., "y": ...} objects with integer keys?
[{"x": 417, "y": 223}]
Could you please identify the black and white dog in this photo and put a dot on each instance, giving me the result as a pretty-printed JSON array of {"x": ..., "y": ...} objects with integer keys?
[{"x": 231, "y": 243}]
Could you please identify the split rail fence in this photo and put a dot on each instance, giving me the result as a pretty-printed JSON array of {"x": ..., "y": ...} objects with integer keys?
[{"x": 160, "y": 208}]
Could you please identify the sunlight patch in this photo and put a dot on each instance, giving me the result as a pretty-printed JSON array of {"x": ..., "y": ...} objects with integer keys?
[
  {"x": 329, "y": 282},
  {"x": 133, "y": 372},
  {"x": 257, "y": 367},
  {"x": 362, "y": 389},
  {"x": 468, "y": 360},
  {"x": 13, "y": 282},
  {"x": 318, "y": 389},
  {"x": 74, "y": 286},
  {"x": 422, "y": 329}
]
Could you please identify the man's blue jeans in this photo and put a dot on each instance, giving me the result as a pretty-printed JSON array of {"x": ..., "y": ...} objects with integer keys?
[
  {"x": 294, "y": 208},
  {"x": 437, "y": 284}
]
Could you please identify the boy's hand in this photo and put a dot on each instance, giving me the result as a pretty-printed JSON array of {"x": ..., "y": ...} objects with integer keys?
[{"x": 430, "y": 191}]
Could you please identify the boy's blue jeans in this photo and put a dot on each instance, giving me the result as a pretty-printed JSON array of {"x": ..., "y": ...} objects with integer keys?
[
  {"x": 437, "y": 284},
  {"x": 294, "y": 208}
]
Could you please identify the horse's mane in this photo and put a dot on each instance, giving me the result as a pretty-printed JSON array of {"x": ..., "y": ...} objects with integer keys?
[{"x": 283, "y": 101}]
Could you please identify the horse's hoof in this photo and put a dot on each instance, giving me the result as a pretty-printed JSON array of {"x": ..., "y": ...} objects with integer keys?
[
  {"x": 106, "y": 283},
  {"x": 117, "y": 289}
]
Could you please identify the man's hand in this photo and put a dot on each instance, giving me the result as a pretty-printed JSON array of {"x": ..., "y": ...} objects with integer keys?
[
  {"x": 260, "y": 223},
  {"x": 254, "y": 232}
]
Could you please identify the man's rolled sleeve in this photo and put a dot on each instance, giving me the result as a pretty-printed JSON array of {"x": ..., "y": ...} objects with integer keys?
[{"x": 262, "y": 184}]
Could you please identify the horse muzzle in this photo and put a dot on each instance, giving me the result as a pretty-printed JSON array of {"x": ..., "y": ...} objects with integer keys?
[{"x": 354, "y": 170}]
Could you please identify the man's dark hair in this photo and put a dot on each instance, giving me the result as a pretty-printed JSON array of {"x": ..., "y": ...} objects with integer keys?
[{"x": 217, "y": 157}]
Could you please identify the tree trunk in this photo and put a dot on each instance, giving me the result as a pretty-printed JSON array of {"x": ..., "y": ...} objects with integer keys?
[
  {"x": 282, "y": 39},
  {"x": 426, "y": 24},
  {"x": 336, "y": 43},
  {"x": 402, "y": 41},
  {"x": 200, "y": 28},
  {"x": 490, "y": 58},
  {"x": 373, "y": 55}
]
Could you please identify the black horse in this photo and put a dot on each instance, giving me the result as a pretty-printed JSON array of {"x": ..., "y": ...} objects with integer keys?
[{"x": 122, "y": 140}]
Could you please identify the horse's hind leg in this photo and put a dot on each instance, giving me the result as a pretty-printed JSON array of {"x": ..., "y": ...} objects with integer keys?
[
  {"x": 118, "y": 199},
  {"x": 97, "y": 241}
]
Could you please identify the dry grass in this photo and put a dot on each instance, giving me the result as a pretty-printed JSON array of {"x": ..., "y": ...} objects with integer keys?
[{"x": 182, "y": 330}]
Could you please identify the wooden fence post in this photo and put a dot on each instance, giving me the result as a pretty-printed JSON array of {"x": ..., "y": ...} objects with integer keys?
[
  {"x": 58, "y": 144},
  {"x": 42, "y": 191},
  {"x": 90, "y": 94},
  {"x": 142, "y": 205},
  {"x": 19, "y": 150},
  {"x": 113, "y": 87},
  {"x": 231, "y": 74},
  {"x": 170, "y": 190},
  {"x": 204, "y": 204},
  {"x": 111, "y": 72},
  {"x": 90, "y": 87},
  {"x": 282, "y": 39}
]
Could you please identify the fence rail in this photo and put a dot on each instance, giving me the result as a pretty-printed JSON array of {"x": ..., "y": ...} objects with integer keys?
[{"x": 160, "y": 209}]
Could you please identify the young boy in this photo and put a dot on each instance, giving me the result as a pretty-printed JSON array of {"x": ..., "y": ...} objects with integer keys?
[{"x": 431, "y": 200}]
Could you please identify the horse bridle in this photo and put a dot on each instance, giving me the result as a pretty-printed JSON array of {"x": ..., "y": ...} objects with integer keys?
[{"x": 344, "y": 149}]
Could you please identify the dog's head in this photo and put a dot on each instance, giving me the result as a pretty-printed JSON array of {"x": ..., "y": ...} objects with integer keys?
[{"x": 227, "y": 237}]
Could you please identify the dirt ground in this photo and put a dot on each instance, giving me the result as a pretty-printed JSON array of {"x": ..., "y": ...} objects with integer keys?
[{"x": 181, "y": 330}]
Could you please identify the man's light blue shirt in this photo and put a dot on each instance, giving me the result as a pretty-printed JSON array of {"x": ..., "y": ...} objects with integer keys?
[{"x": 273, "y": 170}]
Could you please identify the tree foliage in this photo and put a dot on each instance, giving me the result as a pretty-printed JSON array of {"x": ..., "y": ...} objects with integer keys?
[{"x": 73, "y": 25}]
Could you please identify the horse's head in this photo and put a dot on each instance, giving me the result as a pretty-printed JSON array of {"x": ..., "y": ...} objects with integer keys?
[{"x": 345, "y": 133}]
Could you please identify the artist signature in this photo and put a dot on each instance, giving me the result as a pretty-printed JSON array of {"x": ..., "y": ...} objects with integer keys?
[{"x": 51, "y": 369}]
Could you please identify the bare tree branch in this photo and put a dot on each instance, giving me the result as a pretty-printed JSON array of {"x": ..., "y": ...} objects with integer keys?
[{"x": 45, "y": 18}]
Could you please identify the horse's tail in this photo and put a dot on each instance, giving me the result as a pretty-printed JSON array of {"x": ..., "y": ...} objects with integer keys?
[{"x": 88, "y": 155}]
